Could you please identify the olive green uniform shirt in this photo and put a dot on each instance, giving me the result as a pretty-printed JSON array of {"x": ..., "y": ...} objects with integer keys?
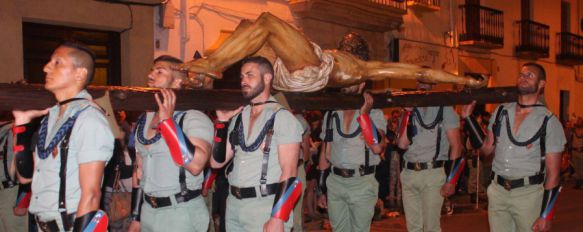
[
  {"x": 160, "y": 175},
  {"x": 424, "y": 143},
  {"x": 512, "y": 161}
]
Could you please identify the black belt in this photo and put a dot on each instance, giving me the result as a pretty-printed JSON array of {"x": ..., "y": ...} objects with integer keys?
[
  {"x": 159, "y": 202},
  {"x": 249, "y": 192},
  {"x": 512, "y": 184},
  {"x": 418, "y": 166},
  {"x": 8, "y": 184},
  {"x": 52, "y": 225},
  {"x": 346, "y": 173}
]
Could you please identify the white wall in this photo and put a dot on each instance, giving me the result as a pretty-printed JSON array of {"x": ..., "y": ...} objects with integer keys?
[{"x": 205, "y": 19}]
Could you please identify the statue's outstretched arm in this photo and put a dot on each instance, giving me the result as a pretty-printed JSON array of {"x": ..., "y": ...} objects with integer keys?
[{"x": 350, "y": 70}]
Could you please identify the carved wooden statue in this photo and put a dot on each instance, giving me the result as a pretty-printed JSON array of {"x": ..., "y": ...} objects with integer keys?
[{"x": 301, "y": 66}]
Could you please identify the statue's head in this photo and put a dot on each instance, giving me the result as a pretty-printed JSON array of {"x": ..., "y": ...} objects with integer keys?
[{"x": 354, "y": 44}]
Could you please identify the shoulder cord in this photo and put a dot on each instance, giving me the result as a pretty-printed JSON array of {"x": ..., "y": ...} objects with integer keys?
[
  {"x": 238, "y": 135},
  {"x": 140, "y": 124},
  {"x": 436, "y": 122},
  {"x": 540, "y": 134},
  {"x": 336, "y": 118}
]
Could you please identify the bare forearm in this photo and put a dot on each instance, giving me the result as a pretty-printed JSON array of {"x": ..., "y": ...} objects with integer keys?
[
  {"x": 553, "y": 167},
  {"x": 198, "y": 163},
  {"x": 552, "y": 180},
  {"x": 323, "y": 163},
  {"x": 489, "y": 146},
  {"x": 89, "y": 202},
  {"x": 403, "y": 142}
]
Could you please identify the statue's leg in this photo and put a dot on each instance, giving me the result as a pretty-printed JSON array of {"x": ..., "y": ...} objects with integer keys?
[{"x": 288, "y": 43}]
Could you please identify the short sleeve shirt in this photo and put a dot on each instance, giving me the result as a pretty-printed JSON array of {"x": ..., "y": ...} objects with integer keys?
[
  {"x": 424, "y": 143},
  {"x": 91, "y": 141},
  {"x": 349, "y": 153},
  {"x": 160, "y": 175},
  {"x": 247, "y": 165},
  {"x": 513, "y": 161}
]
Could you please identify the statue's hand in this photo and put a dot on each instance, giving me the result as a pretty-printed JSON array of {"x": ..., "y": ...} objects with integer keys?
[{"x": 477, "y": 80}]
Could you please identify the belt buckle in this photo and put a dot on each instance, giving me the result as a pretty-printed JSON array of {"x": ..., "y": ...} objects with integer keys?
[
  {"x": 153, "y": 202},
  {"x": 417, "y": 166},
  {"x": 361, "y": 170},
  {"x": 237, "y": 193},
  {"x": 507, "y": 185},
  {"x": 263, "y": 190}
]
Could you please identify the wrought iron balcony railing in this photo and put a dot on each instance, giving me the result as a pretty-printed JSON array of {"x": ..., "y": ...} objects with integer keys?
[
  {"x": 533, "y": 39},
  {"x": 371, "y": 15},
  {"x": 569, "y": 48},
  {"x": 399, "y": 4},
  {"x": 481, "y": 27}
]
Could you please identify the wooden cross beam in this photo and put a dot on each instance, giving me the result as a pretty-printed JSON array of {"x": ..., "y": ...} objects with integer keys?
[{"x": 16, "y": 96}]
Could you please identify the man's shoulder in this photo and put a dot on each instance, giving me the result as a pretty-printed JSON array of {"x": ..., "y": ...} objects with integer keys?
[
  {"x": 195, "y": 114},
  {"x": 91, "y": 112}
]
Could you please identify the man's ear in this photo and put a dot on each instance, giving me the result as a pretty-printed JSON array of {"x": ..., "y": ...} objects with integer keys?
[
  {"x": 267, "y": 78},
  {"x": 176, "y": 83},
  {"x": 541, "y": 84},
  {"x": 81, "y": 75}
]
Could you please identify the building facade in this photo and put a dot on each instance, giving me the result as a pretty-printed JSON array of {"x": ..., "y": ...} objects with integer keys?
[{"x": 493, "y": 37}]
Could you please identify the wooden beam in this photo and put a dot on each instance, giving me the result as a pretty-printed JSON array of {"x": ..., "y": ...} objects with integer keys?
[{"x": 141, "y": 99}]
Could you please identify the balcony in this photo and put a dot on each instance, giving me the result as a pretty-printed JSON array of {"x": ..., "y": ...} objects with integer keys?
[
  {"x": 569, "y": 48},
  {"x": 425, "y": 5},
  {"x": 533, "y": 40},
  {"x": 482, "y": 27},
  {"x": 370, "y": 15}
]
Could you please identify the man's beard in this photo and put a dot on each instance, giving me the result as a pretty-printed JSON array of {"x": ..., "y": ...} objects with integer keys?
[
  {"x": 254, "y": 92},
  {"x": 532, "y": 89}
]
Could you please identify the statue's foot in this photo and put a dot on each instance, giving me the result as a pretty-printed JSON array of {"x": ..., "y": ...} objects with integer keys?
[
  {"x": 198, "y": 81},
  {"x": 477, "y": 80},
  {"x": 201, "y": 67}
]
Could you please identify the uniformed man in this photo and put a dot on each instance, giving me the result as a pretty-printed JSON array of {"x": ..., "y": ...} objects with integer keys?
[
  {"x": 527, "y": 140},
  {"x": 173, "y": 148},
  {"x": 74, "y": 143},
  {"x": 352, "y": 147},
  {"x": 430, "y": 136},
  {"x": 264, "y": 142},
  {"x": 8, "y": 186}
]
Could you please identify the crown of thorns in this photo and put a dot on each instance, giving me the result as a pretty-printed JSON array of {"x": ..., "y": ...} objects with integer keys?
[{"x": 355, "y": 44}]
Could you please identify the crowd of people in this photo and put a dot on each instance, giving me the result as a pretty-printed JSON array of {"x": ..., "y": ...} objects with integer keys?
[{"x": 266, "y": 167}]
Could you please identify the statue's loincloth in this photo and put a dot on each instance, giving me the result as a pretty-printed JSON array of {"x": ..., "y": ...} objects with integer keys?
[{"x": 308, "y": 79}]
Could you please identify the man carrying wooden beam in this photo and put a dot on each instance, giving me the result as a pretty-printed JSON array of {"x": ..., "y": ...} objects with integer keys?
[
  {"x": 74, "y": 143},
  {"x": 527, "y": 141},
  {"x": 263, "y": 144},
  {"x": 430, "y": 136},
  {"x": 172, "y": 150}
]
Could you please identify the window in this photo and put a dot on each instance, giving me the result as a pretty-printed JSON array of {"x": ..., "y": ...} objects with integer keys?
[{"x": 39, "y": 41}]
